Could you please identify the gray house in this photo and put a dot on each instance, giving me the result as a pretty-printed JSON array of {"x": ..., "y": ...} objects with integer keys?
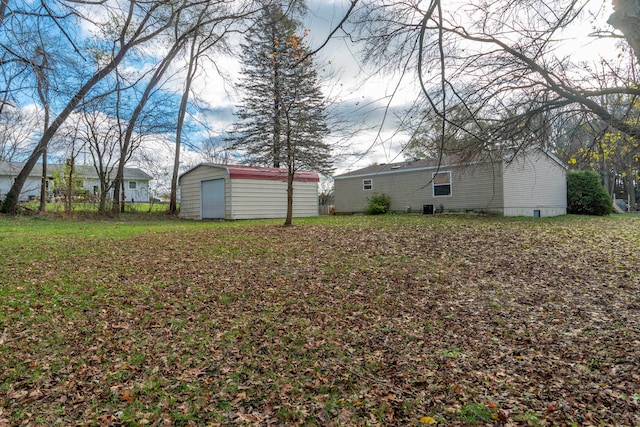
[
  {"x": 210, "y": 191},
  {"x": 532, "y": 183},
  {"x": 136, "y": 181}
]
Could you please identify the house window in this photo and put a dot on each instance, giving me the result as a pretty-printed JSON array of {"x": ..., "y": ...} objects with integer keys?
[
  {"x": 367, "y": 184},
  {"x": 132, "y": 185},
  {"x": 441, "y": 184}
]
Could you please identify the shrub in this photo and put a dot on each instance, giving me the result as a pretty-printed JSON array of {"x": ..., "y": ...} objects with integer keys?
[
  {"x": 377, "y": 204},
  {"x": 585, "y": 194}
]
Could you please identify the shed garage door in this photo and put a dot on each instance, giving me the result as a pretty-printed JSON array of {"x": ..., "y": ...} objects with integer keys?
[{"x": 213, "y": 199}]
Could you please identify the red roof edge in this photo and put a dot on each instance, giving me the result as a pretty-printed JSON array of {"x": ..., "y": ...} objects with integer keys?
[{"x": 270, "y": 174}]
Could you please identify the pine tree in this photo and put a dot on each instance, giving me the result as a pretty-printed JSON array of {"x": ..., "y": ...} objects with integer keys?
[{"x": 282, "y": 118}]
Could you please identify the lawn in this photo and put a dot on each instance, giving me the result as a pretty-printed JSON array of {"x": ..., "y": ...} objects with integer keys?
[{"x": 345, "y": 321}]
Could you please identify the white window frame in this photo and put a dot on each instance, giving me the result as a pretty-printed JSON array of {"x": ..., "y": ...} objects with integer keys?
[
  {"x": 434, "y": 185},
  {"x": 133, "y": 185},
  {"x": 367, "y": 186}
]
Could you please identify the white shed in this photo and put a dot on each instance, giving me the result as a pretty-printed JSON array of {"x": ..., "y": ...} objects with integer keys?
[{"x": 210, "y": 191}]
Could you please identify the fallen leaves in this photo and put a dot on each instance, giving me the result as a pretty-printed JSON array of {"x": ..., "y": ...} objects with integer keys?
[{"x": 340, "y": 321}]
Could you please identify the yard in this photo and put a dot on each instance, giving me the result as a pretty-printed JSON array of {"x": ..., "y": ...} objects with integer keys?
[{"x": 394, "y": 320}]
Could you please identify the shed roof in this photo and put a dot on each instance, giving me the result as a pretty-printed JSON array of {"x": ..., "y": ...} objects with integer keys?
[
  {"x": 260, "y": 173},
  {"x": 14, "y": 168}
]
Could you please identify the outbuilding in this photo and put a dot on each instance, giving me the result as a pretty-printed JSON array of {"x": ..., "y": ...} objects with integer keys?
[
  {"x": 212, "y": 191},
  {"x": 530, "y": 183}
]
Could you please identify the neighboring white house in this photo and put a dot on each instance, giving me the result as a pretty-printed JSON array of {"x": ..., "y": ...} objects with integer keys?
[
  {"x": 533, "y": 183},
  {"x": 136, "y": 181},
  {"x": 210, "y": 191}
]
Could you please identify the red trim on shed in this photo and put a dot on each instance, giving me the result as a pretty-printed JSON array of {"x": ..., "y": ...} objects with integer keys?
[{"x": 270, "y": 174}]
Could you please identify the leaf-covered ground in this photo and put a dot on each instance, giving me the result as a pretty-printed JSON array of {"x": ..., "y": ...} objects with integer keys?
[{"x": 401, "y": 320}]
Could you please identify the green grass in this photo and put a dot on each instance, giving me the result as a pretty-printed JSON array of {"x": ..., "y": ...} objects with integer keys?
[
  {"x": 353, "y": 320},
  {"x": 82, "y": 207}
]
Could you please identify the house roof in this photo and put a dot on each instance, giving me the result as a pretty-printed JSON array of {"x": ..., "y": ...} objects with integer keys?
[
  {"x": 260, "y": 173},
  {"x": 14, "y": 168},
  {"x": 402, "y": 166},
  {"x": 434, "y": 163}
]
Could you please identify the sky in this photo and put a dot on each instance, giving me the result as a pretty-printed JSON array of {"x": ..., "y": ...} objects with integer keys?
[
  {"x": 363, "y": 97},
  {"x": 358, "y": 95}
]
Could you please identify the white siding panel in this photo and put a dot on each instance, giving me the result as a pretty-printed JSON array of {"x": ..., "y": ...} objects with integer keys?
[
  {"x": 305, "y": 199},
  {"x": 253, "y": 199},
  {"x": 534, "y": 181}
]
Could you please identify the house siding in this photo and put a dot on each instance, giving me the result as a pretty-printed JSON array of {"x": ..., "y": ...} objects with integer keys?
[
  {"x": 534, "y": 182},
  {"x": 139, "y": 194},
  {"x": 474, "y": 187},
  {"x": 31, "y": 188}
]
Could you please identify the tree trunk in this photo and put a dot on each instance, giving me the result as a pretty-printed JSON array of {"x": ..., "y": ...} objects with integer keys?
[
  {"x": 102, "y": 206},
  {"x": 3, "y": 9},
  {"x": 631, "y": 190},
  {"x": 291, "y": 171},
  {"x": 68, "y": 205},
  {"x": 182, "y": 112},
  {"x": 289, "y": 220},
  {"x": 43, "y": 184},
  {"x": 42, "y": 94},
  {"x": 125, "y": 148},
  {"x": 626, "y": 18},
  {"x": 123, "y": 197}
]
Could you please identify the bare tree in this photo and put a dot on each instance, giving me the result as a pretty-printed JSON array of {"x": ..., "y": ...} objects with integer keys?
[
  {"x": 40, "y": 68},
  {"x": 499, "y": 62},
  {"x": 188, "y": 26},
  {"x": 210, "y": 35},
  {"x": 100, "y": 135},
  {"x": 16, "y": 128},
  {"x": 66, "y": 180},
  {"x": 137, "y": 23}
]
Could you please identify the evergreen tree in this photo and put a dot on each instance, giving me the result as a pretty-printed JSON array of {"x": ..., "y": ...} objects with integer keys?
[{"x": 283, "y": 112}]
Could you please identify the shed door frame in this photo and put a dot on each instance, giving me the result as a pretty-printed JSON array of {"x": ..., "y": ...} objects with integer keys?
[{"x": 212, "y": 199}]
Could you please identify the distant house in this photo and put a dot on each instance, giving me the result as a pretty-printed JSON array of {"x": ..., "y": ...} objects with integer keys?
[
  {"x": 210, "y": 191},
  {"x": 533, "y": 183},
  {"x": 136, "y": 181}
]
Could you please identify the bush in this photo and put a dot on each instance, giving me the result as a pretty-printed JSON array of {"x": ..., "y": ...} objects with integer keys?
[
  {"x": 585, "y": 194},
  {"x": 378, "y": 204}
]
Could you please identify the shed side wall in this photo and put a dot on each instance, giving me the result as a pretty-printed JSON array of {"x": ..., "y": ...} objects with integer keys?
[
  {"x": 475, "y": 187},
  {"x": 253, "y": 199}
]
